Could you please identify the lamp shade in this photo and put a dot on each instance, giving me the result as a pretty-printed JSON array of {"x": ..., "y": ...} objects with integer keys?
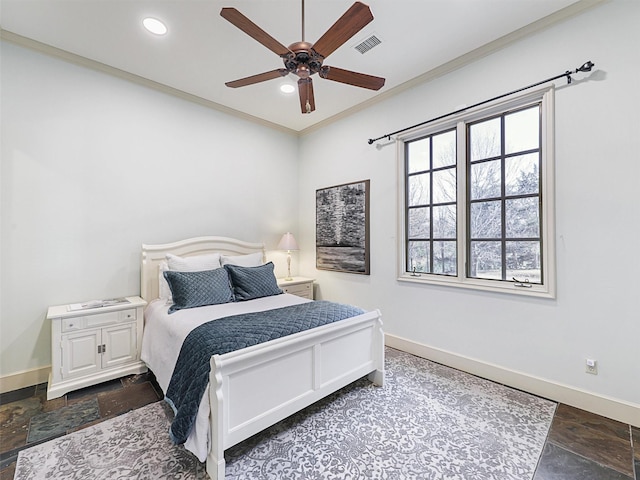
[{"x": 288, "y": 242}]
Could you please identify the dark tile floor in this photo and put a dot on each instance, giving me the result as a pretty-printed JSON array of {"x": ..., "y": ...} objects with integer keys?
[
  {"x": 585, "y": 446},
  {"x": 580, "y": 445}
]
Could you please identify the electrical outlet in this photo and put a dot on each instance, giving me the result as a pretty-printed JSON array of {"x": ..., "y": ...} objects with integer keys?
[{"x": 591, "y": 366}]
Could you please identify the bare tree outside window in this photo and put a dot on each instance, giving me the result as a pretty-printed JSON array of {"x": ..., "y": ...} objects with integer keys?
[
  {"x": 431, "y": 204},
  {"x": 503, "y": 230}
]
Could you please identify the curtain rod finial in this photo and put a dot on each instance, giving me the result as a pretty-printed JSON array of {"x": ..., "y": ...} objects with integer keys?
[{"x": 586, "y": 67}]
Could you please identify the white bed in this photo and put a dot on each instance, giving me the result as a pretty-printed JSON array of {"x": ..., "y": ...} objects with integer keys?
[{"x": 248, "y": 391}]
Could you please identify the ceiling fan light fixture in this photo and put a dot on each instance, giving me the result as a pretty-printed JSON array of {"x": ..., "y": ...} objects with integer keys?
[{"x": 154, "y": 26}]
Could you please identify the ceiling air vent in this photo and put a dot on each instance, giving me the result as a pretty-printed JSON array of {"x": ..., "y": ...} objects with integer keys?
[{"x": 368, "y": 44}]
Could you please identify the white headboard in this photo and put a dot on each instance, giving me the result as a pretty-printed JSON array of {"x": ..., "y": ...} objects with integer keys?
[{"x": 152, "y": 255}]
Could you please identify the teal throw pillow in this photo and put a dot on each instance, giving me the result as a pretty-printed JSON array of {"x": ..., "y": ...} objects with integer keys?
[{"x": 196, "y": 289}]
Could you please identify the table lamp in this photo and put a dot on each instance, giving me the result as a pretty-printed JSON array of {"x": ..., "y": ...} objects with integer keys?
[{"x": 288, "y": 243}]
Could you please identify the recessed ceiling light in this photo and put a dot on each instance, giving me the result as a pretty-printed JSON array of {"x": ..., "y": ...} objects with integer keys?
[
  {"x": 287, "y": 88},
  {"x": 155, "y": 26}
]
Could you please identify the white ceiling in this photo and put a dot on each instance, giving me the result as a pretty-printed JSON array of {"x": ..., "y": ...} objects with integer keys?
[{"x": 201, "y": 50}]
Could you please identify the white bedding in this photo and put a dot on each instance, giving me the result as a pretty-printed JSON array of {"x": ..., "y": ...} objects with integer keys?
[{"x": 163, "y": 336}]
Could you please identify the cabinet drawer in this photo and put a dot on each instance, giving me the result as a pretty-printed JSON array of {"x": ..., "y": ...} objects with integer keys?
[
  {"x": 97, "y": 320},
  {"x": 110, "y": 317},
  {"x": 302, "y": 290},
  {"x": 72, "y": 324}
]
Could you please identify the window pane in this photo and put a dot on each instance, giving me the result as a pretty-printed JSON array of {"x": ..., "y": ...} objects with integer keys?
[
  {"x": 522, "y": 130},
  {"x": 523, "y": 261},
  {"x": 418, "y": 257},
  {"x": 418, "y": 156},
  {"x": 444, "y": 149},
  {"x": 419, "y": 223},
  {"x": 444, "y": 221},
  {"x": 486, "y": 260},
  {"x": 485, "y": 180},
  {"x": 522, "y": 218},
  {"x": 445, "y": 258},
  {"x": 485, "y": 220},
  {"x": 444, "y": 186},
  {"x": 522, "y": 175},
  {"x": 485, "y": 139},
  {"x": 419, "y": 189}
]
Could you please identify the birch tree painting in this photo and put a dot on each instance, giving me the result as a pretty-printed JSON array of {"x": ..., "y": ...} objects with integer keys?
[{"x": 342, "y": 228}]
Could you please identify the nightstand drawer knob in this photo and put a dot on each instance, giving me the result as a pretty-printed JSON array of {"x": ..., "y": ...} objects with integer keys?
[
  {"x": 69, "y": 324},
  {"x": 127, "y": 315}
]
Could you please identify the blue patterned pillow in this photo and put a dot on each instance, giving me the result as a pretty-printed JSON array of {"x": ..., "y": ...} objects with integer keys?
[
  {"x": 253, "y": 282},
  {"x": 196, "y": 289}
]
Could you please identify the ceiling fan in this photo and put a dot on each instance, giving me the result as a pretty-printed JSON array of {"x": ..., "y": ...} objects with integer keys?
[{"x": 305, "y": 59}]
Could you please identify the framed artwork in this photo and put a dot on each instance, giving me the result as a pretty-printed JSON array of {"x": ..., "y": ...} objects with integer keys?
[{"x": 342, "y": 228}]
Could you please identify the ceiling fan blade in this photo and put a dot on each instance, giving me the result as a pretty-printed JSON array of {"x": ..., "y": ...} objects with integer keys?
[
  {"x": 254, "y": 31},
  {"x": 352, "y": 78},
  {"x": 350, "y": 23},
  {"x": 305, "y": 89},
  {"x": 260, "y": 77}
]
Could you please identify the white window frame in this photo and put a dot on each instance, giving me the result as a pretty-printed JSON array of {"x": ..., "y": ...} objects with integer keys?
[{"x": 547, "y": 190}]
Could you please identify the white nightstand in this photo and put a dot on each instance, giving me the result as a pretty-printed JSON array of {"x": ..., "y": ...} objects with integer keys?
[
  {"x": 300, "y": 286},
  {"x": 93, "y": 345}
]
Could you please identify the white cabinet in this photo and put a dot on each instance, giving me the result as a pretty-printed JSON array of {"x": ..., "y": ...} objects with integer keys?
[
  {"x": 300, "y": 286},
  {"x": 86, "y": 352},
  {"x": 94, "y": 345}
]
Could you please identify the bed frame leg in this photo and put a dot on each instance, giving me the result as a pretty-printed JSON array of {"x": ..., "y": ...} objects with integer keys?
[
  {"x": 377, "y": 377},
  {"x": 215, "y": 467},
  {"x": 215, "y": 458}
]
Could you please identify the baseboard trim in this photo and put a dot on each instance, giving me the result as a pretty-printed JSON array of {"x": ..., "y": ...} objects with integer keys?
[
  {"x": 615, "y": 409},
  {"x": 24, "y": 379},
  {"x": 608, "y": 407}
]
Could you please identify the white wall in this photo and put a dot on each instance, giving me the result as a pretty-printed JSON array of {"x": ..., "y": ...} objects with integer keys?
[
  {"x": 596, "y": 313},
  {"x": 93, "y": 166}
]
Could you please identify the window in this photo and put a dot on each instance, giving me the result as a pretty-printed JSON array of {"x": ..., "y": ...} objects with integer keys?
[{"x": 477, "y": 199}]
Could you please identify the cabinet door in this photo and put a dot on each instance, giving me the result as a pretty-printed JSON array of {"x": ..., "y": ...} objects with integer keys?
[
  {"x": 80, "y": 353},
  {"x": 119, "y": 344}
]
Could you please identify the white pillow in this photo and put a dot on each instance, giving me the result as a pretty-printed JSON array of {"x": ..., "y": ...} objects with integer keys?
[
  {"x": 164, "y": 292},
  {"x": 197, "y": 263},
  {"x": 251, "y": 260}
]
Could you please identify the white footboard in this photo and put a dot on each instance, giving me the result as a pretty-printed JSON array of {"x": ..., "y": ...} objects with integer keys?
[{"x": 256, "y": 387}]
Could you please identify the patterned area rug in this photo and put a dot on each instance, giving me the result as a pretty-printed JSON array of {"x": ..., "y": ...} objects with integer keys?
[
  {"x": 428, "y": 422},
  {"x": 135, "y": 445}
]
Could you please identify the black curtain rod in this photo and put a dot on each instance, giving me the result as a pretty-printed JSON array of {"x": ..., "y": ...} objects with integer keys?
[{"x": 585, "y": 67}]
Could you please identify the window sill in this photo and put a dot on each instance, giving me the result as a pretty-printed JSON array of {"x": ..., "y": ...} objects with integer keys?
[{"x": 540, "y": 291}]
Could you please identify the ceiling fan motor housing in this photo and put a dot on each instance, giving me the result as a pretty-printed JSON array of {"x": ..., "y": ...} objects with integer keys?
[{"x": 302, "y": 60}]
